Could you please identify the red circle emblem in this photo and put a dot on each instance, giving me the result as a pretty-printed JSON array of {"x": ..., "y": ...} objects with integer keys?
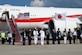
[{"x": 59, "y": 16}]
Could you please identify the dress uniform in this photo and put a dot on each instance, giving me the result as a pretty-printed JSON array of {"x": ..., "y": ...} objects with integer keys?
[
  {"x": 42, "y": 35},
  {"x": 35, "y": 33},
  {"x": 65, "y": 37}
]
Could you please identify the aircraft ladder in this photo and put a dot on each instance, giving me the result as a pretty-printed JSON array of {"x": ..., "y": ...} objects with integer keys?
[{"x": 13, "y": 28}]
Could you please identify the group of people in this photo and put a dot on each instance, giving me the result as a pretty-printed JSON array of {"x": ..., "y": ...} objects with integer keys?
[
  {"x": 44, "y": 35},
  {"x": 56, "y": 36},
  {"x": 67, "y": 35},
  {"x": 9, "y": 37},
  {"x": 35, "y": 33}
]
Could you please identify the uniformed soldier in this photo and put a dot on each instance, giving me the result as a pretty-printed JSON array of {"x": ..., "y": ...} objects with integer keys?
[
  {"x": 65, "y": 36},
  {"x": 35, "y": 33},
  {"x": 42, "y": 35}
]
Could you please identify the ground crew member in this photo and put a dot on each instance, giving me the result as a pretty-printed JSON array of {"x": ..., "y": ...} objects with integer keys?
[{"x": 3, "y": 37}]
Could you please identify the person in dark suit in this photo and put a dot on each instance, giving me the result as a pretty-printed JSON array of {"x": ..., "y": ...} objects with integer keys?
[
  {"x": 29, "y": 36},
  {"x": 23, "y": 36},
  {"x": 53, "y": 36},
  {"x": 69, "y": 36},
  {"x": 78, "y": 34},
  {"x": 47, "y": 37},
  {"x": 58, "y": 35},
  {"x": 13, "y": 37}
]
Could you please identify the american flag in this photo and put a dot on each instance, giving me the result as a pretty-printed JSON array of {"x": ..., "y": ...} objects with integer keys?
[{"x": 23, "y": 16}]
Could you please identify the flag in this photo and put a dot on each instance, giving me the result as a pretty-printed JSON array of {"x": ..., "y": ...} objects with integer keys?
[
  {"x": 60, "y": 16},
  {"x": 23, "y": 15}
]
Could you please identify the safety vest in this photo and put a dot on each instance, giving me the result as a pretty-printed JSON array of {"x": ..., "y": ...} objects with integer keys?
[{"x": 2, "y": 35}]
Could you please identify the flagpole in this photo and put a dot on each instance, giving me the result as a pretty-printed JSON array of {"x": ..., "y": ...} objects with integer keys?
[{"x": 65, "y": 22}]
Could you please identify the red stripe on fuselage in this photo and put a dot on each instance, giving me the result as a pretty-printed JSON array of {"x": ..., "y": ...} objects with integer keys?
[
  {"x": 33, "y": 19},
  {"x": 77, "y": 15},
  {"x": 43, "y": 19},
  {"x": 46, "y": 19}
]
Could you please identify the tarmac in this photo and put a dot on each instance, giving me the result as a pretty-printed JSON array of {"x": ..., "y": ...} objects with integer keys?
[{"x": 51, "y": 49}]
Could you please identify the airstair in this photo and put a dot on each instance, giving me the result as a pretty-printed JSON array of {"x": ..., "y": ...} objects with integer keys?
[{"x": 13, "y": 27}]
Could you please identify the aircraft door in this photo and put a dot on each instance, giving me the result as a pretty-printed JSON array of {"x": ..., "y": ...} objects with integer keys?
[{"x": 5, "y": 13}]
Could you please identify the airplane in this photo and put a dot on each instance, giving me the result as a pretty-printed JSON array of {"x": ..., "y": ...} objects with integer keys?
[{"x": 42, "y": 17}]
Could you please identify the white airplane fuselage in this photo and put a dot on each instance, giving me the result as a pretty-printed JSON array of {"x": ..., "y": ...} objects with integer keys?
[{"x": 38, "y": 16}]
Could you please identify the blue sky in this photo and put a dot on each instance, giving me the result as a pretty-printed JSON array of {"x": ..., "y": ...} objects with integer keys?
[
  {"x": 15, "y": 2},
  {"x": 45, "y": 3}
]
